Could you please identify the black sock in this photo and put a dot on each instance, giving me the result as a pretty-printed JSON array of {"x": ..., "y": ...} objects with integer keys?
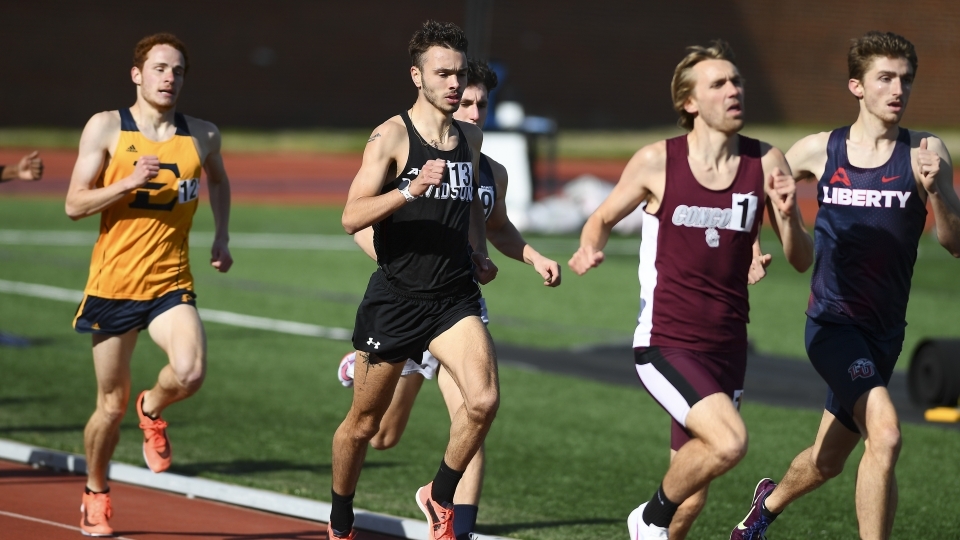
[
  {"x": 341, "y": 514},
  {"x": 464, "y": 520},
  {"x": 445, "y": 484},
  {"x": 89, "y": 491},
  {"x": 660, "y": 510},
  {"x": 767, "y": 514},
  {"x": 145, "y": 413}
]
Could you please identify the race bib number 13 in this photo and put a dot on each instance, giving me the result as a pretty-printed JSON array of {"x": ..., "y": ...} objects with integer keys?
[{"x": 188, "y": 190}]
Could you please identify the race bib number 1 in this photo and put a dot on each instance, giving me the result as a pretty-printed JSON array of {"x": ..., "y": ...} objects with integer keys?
[
  {"x": 188, "y": 189},
  {"x": 744, "y": 211}
]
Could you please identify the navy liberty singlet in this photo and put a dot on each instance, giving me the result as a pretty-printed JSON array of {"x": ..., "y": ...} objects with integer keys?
[{"x": 866, "y": 236}]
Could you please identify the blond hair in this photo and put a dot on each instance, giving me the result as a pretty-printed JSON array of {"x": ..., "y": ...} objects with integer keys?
[{"x": 681, "y": 87}]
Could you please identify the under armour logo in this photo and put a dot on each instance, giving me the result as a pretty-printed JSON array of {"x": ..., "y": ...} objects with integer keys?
[{"x": 376, "y": 344}]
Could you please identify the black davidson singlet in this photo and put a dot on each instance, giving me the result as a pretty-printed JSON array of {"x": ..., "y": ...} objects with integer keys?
[{"x": 423, "y": 247}]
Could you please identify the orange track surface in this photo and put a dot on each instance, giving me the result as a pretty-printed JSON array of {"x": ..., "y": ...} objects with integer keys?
[{"x": 34, "y": 501}]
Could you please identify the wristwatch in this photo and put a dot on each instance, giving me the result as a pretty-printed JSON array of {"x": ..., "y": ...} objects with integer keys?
[{"x": 404, "y": 188}]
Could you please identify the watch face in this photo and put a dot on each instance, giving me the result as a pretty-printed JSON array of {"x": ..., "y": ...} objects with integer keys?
[{"x": 404, "y": 183}]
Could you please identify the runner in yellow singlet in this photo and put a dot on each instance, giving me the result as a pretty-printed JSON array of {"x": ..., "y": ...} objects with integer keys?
[{"x": 140, "y": 168}]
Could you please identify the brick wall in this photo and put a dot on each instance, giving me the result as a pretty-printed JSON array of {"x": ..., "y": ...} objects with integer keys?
[{"x": 599, "y": 64}]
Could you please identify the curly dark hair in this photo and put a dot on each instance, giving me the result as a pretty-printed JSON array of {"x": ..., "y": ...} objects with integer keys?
[
  {"x": 873, "y": 44},
  {"x": 144, "y": 46},
  {"x": 478, "y": 72},
  {"x": 439, "y": 34}
]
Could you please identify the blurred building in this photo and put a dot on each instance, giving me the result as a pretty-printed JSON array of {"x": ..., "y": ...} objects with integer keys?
[{"x": 597, "y": 64}]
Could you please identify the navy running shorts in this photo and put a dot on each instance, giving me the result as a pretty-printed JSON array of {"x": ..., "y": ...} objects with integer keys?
[
  {"x": 97, "y": 315},
  {"x": 395, "y": 325},
  {"x": 851, "y": 362},
  {"x": 679, "y": 378}
]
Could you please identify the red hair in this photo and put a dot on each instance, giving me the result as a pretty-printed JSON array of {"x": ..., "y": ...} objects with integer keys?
[{"x": 145, "y": 45}]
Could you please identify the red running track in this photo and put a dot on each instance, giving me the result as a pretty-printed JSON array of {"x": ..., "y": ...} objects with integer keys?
[
  {"x": 313, "y": 178},
  {"x": 45, "y": 504}
]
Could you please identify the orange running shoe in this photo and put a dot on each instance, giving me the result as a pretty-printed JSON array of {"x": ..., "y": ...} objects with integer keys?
[
  {"x": 156, "y": 446},
  {"x": 331, "y": 536},
  {"x": 96, "y": 511},
  {"x": 439, "y": 516}
]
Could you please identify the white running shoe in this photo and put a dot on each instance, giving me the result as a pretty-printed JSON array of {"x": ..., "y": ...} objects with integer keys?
[
  {"x": 640, "y": 530},
  {"x": 345, "y": 371}
]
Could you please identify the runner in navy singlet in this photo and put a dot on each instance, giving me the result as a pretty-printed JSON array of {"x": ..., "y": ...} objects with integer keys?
[
  {"x": 704, "y": 195},
  {"x": 507, "y": 239},
  {"x": 417, "y": 189},
  {"x": 874, "y": 180}
]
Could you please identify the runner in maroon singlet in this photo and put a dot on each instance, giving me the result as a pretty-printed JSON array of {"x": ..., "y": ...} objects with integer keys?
[{"x": 704, "y": 195}]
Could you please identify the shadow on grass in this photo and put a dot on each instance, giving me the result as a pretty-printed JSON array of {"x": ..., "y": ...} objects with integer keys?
[
  {"x": 295, "y": 535},
  {"x": 24, "y": 400},
  {"x": 507, "y": 528},
  {"x": 247, "y": 466},
  {"x": 43, "y": 429}
]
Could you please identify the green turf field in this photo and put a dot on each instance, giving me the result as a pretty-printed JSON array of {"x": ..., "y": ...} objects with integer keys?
[{"x": 567, "y": 459}]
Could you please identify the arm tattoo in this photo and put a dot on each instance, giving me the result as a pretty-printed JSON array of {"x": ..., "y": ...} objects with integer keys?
[{"x": 375, "y": 136}]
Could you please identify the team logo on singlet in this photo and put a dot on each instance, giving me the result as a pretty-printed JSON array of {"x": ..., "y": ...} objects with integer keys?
[
  {"x": 861, "y": 368},
  {"x": 877, "y": 198},
  {"x": 460, "y": 185},
  {"x": 739, "y": 217},
  {"x": 713, "y": 238},
  {"x": 840, "y": 176}
]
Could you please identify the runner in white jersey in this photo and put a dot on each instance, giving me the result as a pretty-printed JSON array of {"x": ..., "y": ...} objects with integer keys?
[{"x": 508, "y": 240}]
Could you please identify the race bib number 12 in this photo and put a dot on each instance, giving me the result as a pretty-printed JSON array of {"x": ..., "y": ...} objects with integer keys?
[{"x": 188, "y": 190}]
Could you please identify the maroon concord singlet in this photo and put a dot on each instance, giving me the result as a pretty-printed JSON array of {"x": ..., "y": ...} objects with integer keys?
[{"x": 695, "y": 255}]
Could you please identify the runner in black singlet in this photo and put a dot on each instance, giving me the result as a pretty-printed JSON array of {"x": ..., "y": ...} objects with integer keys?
[
  {"x": 417, "y": 188},
  {"x": 507, "y": 239}
]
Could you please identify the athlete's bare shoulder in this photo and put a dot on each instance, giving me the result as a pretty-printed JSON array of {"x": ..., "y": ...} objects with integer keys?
[
  {"x": 388, "y": 137},
  {"x": 102, "y": 131},
  {"x": 206, "y": 135},
  {"x": 202, "y": 129},
  {"x": 808, "y": 156},
  {"x": 772, "y": 158},
  {"x": 651, "y": 159},
  {"x": 933, "y": 142}
]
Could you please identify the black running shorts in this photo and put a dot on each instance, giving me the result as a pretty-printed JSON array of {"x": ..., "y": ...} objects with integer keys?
[
  {"x": 851, "y": 362},
  {"x": 97, "y": 315},
  {"x": 395, "y": 325}
]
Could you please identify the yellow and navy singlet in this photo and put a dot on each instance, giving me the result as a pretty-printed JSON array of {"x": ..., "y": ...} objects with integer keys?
[{"x": 143, "y": 252}]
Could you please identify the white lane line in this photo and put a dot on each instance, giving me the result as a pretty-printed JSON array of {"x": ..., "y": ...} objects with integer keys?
[
  {"x": 208, "y": 315},
  {"x": 321, "y": 242},
  {"x": 52, "y": 523},
  {"x": 194, "y": 487}
]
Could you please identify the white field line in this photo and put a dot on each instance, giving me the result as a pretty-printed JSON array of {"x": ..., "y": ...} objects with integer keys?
[
  {"x": 203, "y": 488},
  {"x": 624, "y": 246},
  {"x": 51, "y": 523},
  {"x": 208, "y": 315}
]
